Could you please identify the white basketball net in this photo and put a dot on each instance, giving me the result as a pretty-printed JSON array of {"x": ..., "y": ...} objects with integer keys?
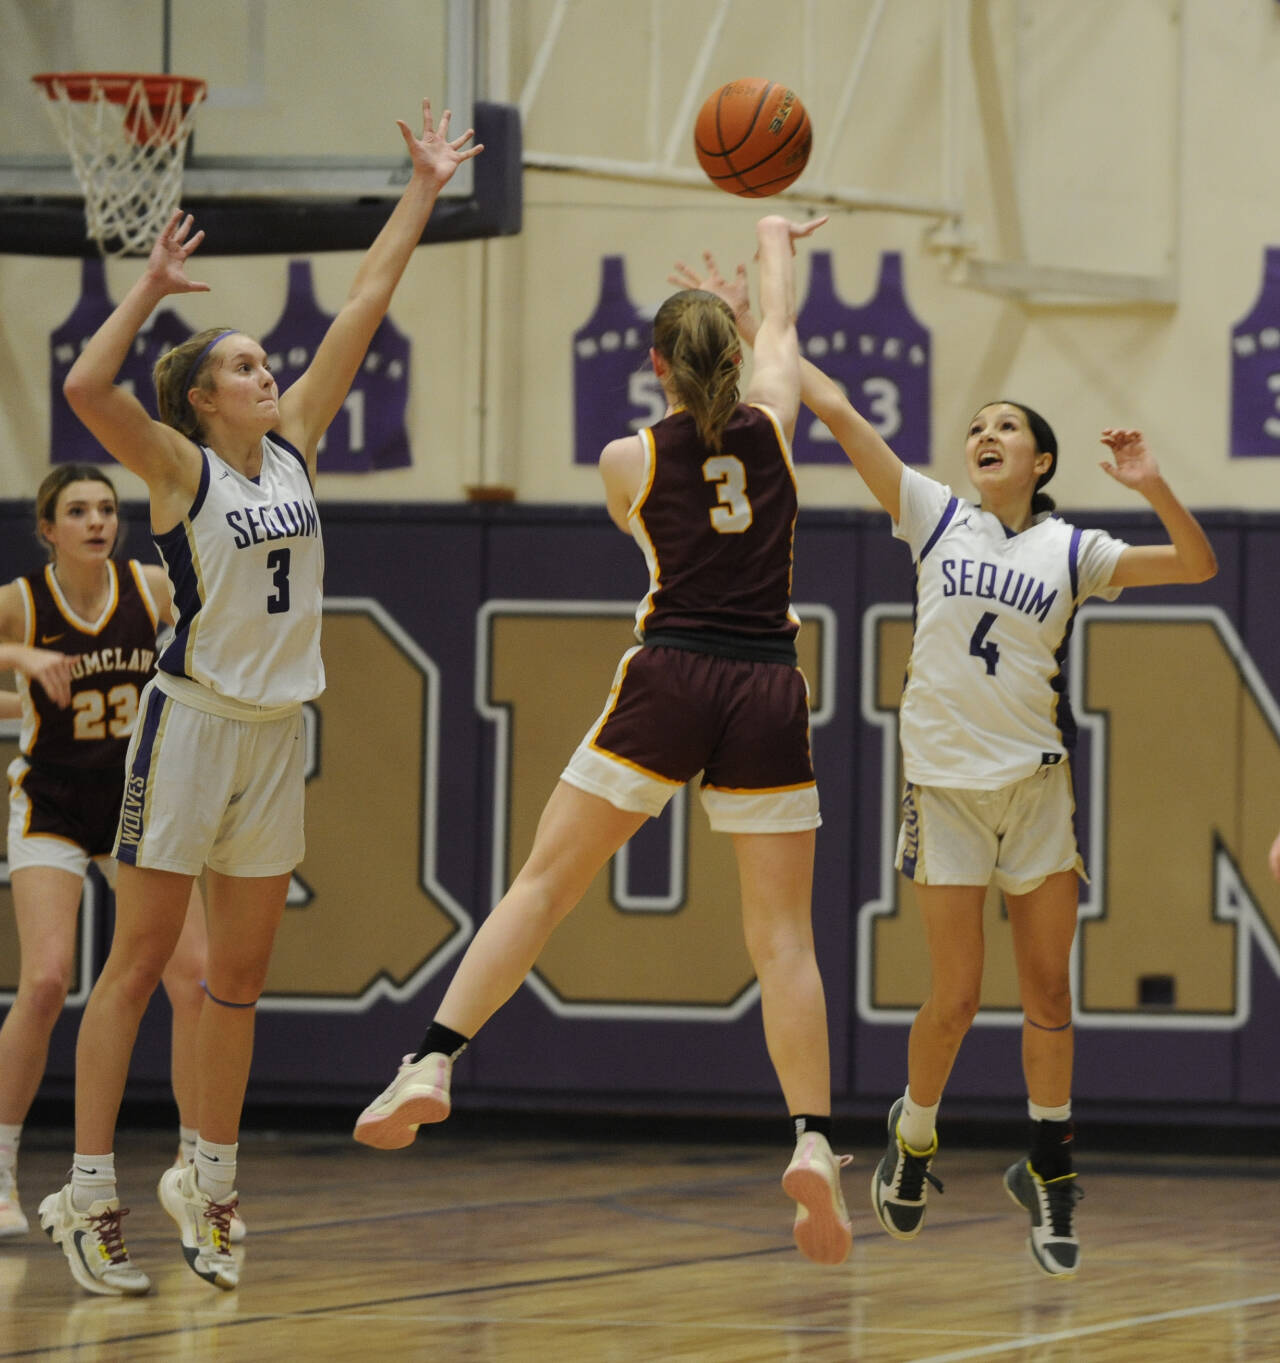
[{"x": 127, "y": 157}]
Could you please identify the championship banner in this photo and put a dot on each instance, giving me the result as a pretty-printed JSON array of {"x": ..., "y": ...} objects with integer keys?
[
  {"x": 878, "y": 353},
  {"x": 615, "y": 391},
  {"x": 69, "y": 441},
  {"x": 1255, "y": 369},
  {"x": 369, "y": 431}
]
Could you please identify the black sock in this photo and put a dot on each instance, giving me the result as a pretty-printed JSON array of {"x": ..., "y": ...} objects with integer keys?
[
  {"x": 803, "y": 1122},
  {"x": 1051, "y": 1148},
  {"x": 444, "y": 1040}
]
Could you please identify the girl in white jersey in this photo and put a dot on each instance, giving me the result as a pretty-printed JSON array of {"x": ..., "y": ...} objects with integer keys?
[
  {"x": 214, "y": 775},
  {"x": 985, "y": 735}
]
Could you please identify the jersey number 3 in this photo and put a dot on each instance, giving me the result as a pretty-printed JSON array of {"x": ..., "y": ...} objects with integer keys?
[
  {"x": 733, "y": 513},
  {"x": 278, "y": 562}
]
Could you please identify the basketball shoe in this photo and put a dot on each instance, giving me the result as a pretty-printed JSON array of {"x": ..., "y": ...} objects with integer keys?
[
  {"x": 238, "y": 1229},
  {"x": 822, "y": 1230},
  {"x": 12, "y": 1219},
  {"x": 897, "y": 1186},
  {"x": 419, "y": 1093},
  {"x": 1052, "y": 1204},
  {"x": 205, "y": 1226},
  {"x": 93, "y": 1244}
]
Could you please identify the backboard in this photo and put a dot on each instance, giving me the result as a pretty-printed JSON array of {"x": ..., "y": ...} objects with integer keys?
[{"x": 295, "y": 147}]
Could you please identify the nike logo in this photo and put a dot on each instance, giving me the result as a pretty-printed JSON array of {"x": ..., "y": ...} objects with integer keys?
[
  {"x": 50, "y": 638},
  {"x": 81, "y": 1169}
]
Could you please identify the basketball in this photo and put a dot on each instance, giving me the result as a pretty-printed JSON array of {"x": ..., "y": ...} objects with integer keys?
[{"x": 752, "y": 138}]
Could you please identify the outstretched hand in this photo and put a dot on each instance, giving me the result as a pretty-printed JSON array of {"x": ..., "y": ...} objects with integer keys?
[
  {"x": 433, "y": 153},
  {"x": 167, "y": 264},
  {"x": 1134, "y": 465},
  {"x": 795, "y": 230},
  {"x": 733, "y": 291}
]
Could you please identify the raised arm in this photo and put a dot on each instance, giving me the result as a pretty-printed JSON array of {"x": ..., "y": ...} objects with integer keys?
[
  {"x": 1188, "y": 557},
  {"x": 875, "y": 462},
  {"x": 310, "y": 404},
  {"x": 161, "y": 456},
  {"x": 775, "y": 378}
]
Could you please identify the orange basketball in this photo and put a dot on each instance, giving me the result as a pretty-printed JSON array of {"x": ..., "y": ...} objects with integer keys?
[{"x": 752, "y": 137}]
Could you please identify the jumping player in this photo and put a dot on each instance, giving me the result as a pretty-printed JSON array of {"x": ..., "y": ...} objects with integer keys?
[
  {"x": 215, "y": 770},
  {"x": 709, "y": 495},
  {"x": 81, "y": 636},
  {"x": 986, "y": 734}
]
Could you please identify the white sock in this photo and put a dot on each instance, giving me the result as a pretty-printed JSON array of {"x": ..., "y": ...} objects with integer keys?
[
  {"x": 916, "y": 1123},
  {"x": 9, "y": 1138},
  {"x": 93, "y": 1179},
  {"x": 215, "y": 1169},
  {"x": 1048, "y": 1114},
  {"x": 187, "y": 1143}
]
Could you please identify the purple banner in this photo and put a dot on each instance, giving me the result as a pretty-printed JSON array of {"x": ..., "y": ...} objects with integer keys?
[
  {"x": 369, "y": 430},
  {"x": 615, "y": 390},
  {"x": 69, "y": 441},
  {"x": 879, "y": 354},
  {"x": 1255, "y": 369}
]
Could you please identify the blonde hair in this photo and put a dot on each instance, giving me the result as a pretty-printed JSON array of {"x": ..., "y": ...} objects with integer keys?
[
  {"x": 696, "y": 335},
  {"x": 179, "y": 370}
]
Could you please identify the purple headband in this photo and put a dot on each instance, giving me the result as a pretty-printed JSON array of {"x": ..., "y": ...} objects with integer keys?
[{"x": 203, "y": 355}]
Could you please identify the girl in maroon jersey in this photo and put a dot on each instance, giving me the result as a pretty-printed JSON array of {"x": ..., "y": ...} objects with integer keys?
[
  {"x": 713, "y": 688},
  {"x": 64, "y": 790}
]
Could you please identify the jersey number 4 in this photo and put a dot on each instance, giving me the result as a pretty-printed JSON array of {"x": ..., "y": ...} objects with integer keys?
[{"x": 982, "y": 647}]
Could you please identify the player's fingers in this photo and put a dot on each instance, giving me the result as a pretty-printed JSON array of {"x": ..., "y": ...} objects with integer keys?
[{"x": 805, "y": 228}]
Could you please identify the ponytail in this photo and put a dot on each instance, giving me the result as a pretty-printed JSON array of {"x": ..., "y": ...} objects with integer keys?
[{"x": 695, "y": 333}]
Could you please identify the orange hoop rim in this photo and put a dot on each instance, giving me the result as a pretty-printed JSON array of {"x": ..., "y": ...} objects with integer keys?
[{"x": 116, "y": 86}]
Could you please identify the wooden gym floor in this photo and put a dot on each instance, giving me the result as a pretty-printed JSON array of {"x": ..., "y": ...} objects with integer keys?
[{"x": 522, "y": 1250}]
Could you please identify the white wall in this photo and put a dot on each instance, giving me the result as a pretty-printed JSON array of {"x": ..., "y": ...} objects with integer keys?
[{"x": 1127, "y": 136}]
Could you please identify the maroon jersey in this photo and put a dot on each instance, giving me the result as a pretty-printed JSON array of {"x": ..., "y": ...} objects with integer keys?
[
  {"x": 717, "y": 529},
  {"x": 115, "y": 656}
]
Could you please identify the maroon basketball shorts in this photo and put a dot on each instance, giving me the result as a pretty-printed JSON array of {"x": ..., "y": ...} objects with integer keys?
[
  {"x": 674, "y": 712},
  {"x": 61, "y": 819}
]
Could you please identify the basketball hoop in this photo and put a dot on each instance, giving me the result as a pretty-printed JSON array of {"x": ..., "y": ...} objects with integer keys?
[{"x": 127, "y": 134}]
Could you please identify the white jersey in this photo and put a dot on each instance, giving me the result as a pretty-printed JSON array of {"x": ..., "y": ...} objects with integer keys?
[
  {"x": 985, "y": 701},
  {"x": 246, "y": 566}
]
